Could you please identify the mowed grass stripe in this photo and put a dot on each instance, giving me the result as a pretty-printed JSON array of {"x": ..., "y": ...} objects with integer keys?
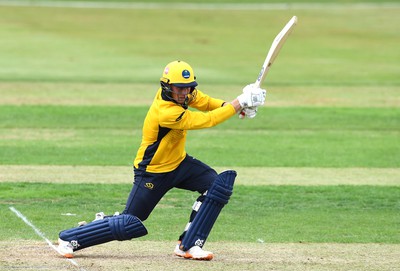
[
  {"x": 257, "y": 149},
  {"x": 131, "y": 117},
  {"x": 206, "y": 5},
  {"x": 316, "y": 213},
  {"x": 246, "y": 175},
  {"x": 279, "y": 137},
  {"x": 133, "y": 94},
  {"x": 329, "y": 47}
]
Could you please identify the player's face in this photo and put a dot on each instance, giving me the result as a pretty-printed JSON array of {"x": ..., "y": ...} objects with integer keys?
[{"x": 179, "y": 94}]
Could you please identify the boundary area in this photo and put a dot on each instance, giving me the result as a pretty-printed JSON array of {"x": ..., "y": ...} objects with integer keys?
[{"x": 198, "y": 6}]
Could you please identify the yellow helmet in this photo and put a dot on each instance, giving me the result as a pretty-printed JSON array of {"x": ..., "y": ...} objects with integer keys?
[{"x": 180, "y": 74}]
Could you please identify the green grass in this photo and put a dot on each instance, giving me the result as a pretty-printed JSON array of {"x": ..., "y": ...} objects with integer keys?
[
  {"x": 131, "y": 117},
  {"x": 226, "y": 1},
  {"x": 329, "y": 46},
  {"x": 345, "y": 61},
  {"x": 299, "y": 137},
  {"x": 342, "y": 214}
]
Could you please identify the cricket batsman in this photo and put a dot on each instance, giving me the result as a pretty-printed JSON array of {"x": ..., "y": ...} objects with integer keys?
[{"x": 162, "y": 163}]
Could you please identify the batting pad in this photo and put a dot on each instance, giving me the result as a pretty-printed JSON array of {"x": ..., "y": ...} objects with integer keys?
[
  {"x": 121, "y": 227},
  {"x": 217, "y": 197}
]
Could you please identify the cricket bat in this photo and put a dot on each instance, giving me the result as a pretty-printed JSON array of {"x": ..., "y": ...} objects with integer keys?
[{"x": 274, "y": 50}]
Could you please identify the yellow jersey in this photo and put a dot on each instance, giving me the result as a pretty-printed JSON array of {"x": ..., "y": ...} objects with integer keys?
[{"x": 165, "y": 127}]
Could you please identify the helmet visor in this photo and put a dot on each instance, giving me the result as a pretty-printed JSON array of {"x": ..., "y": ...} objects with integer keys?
[{"x": 185, "y": 85}]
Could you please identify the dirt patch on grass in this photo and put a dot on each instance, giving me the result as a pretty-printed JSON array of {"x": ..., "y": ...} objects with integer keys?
[
  {"x": 246, "y": 175},
  {"x": 151, "y": 255}
]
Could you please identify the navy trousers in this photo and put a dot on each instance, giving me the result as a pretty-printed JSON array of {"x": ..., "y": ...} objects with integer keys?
[{"x": 149, "y": 188}]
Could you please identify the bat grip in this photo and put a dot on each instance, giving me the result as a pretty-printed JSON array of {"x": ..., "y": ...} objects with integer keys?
[
  {"x": 257, "y": 84},
  {"x": 242, "y": 115}
]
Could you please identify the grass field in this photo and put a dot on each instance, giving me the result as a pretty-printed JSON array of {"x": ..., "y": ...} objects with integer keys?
[{"x": 318, "y": 169}]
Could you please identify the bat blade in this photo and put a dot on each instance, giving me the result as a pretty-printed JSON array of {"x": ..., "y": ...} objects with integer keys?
[{"x": 274, "y": 50}]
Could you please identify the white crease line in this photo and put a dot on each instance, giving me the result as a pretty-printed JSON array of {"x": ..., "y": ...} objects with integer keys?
[{"x": 39, "y": 233}]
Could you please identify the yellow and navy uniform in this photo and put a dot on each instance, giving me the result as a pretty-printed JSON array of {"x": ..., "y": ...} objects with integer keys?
[{"x": 165, "y": 128}]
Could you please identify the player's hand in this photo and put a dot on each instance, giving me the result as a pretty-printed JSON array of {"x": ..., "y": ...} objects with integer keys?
[
  {"x": 249, "y": 112},
  {"x": 252, "y": 96}
]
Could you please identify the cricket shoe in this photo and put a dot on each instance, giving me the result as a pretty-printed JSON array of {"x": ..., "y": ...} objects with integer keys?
[
  {"x": 194, "y": 253},
  {"x": 65, "y": 248}
]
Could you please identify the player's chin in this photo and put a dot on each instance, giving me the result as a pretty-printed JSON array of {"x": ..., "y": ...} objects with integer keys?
[{"x": 181, "y": 100}]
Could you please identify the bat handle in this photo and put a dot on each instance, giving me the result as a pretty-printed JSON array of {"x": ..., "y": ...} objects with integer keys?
[
  {"x": 242, "y": 114},
  {"x": 257, "y": 84}
]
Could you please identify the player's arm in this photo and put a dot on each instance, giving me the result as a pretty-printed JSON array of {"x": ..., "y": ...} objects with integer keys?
[
  {"x": 191, "y": 120},
  {"x": 179, "y": 118},
  {"x": 203, "y": 102}
]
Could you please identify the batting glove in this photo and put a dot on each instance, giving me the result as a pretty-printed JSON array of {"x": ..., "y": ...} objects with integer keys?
[
  {"x": 252, "y": 96},
  {"x": 249, "y": 112}
]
